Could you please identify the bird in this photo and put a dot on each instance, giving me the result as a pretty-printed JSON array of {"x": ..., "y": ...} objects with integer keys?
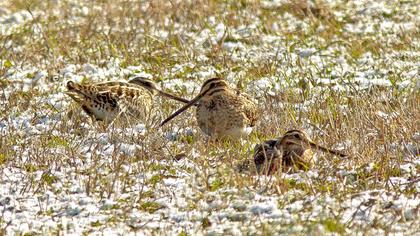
[
  {"x": 222, "y": 111},
  {"x": 105, "y": 101},
  {"x": 293, "y": 151}
]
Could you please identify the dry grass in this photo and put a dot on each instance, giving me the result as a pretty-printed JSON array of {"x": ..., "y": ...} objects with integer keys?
[{"x": 353, "y": 120}]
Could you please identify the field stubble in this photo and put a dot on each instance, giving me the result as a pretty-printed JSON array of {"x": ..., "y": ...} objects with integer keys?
[{"x": 345, "y": 72}]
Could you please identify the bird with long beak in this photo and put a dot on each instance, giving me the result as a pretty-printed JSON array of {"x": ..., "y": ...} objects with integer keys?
[
  {"x": 293, "y": 151},
  {"x": 222, "y": 112},
  {"x": 105, "y": 101}
]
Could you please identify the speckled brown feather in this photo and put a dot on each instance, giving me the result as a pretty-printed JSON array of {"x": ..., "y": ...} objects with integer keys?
[
  {"x": 105, "y": 101},
  {"x": 292, "y": 151},
  {"x": 221, "y": 112},
  {"x": 224, "y": 111},
  {"x": 265, "y": 154}
]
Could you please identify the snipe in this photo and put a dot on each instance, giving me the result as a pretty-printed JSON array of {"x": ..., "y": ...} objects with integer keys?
[
  {"x": 106, "y": 101},
  {"x": 292, "y": 151},
  {"x": 222, "y": 111}
]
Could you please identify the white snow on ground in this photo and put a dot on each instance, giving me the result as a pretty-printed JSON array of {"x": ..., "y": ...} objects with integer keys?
[{"x": 180, "y": 202}]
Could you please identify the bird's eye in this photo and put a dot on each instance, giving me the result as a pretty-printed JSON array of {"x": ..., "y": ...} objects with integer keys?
[{"x": 296, "y": 136}]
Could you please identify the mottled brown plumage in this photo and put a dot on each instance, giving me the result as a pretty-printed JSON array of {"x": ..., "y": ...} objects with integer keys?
[
  {"x": 292, "y": 151},
  {"x": 222, "y": 111},
  {"x": 106, "y": 101}
]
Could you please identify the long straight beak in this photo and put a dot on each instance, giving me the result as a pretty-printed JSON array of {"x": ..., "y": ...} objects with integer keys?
[
  {"x": 173, "y": 97},
  {"x": 152, "y": 86},
  {"x": 185, "y": 107},
  {"x": 324, "y": 149}
]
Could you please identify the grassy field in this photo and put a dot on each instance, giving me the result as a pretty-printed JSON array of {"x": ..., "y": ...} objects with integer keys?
[{"x": 347, "y": 72}]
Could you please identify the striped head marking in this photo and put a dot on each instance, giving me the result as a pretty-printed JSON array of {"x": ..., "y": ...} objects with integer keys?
[
  {"x": 208, "y": 88},
  {"x": 151, "y": 86},
  {"x": 212, "y": 85},
  {"x": 71, "y": 85},
  {"x": 295, "y": 136},
  {"x": 301, "y": 138},
  {"x": 144, "y": 82}
]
